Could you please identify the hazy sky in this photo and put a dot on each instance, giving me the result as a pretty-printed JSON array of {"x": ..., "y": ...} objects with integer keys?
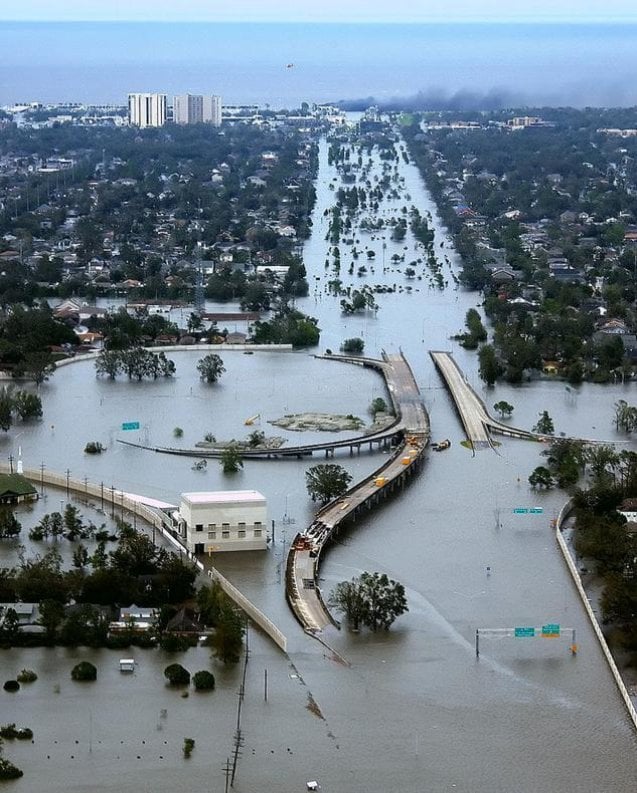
[{"x": 320, "y": 10}]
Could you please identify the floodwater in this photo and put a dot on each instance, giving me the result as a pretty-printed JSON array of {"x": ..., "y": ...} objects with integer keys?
[{"x": 414, "y": 710}]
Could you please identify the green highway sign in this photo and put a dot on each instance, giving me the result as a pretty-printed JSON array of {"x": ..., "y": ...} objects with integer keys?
[
  {"x": 551, "y": 630},
  {"x": 130, "y": 425},
  {"x": 521, "y": 633},
  {"x": 520, "y": 511},
  {"x": 536, "y": 510}
]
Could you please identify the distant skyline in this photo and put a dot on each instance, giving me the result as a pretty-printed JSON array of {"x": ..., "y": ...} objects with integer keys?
[{"x": 396, "y": 11}]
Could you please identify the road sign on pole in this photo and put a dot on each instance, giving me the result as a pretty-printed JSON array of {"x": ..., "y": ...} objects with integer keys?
[
  {"x": 550, "y": 631},
  {"x": 130, "y": 425},
  {"x": 521, "y": 633}
]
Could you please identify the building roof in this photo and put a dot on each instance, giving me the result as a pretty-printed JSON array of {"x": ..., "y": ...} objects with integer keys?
[
  {"x": 15, "y": 484},
  {"x": 223, "y": 496}
]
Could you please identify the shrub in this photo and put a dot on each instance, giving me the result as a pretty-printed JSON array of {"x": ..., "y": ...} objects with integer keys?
[
  {"x": 11, "y": 732},
  {"x": 8, "y": 770},
  {"x": 378, "y": 405},
  {"x": 354, "y": 345},
  {"x": 27, "y": 676},
  {"x": 84, "y": 671},
  {"x": 93, "y": 447},
  {"x": 189, "y": 745},
  {"x": 11, "y": 685},
  {"x": 203, "y": 681},
  {"x": 177, "y": 675},
  {"x": 172, "y": 643},
  {"x": 178, "y": 432}
]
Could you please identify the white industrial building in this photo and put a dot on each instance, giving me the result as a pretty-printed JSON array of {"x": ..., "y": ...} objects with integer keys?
[
  {"x": 147, "y": 110},
  {"x": 224, "y": 520}
]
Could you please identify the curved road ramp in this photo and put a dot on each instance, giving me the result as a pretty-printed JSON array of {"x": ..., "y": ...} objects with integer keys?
[
  {"x": 475, "y": 419},
  {"x": 412, "y": 426}
]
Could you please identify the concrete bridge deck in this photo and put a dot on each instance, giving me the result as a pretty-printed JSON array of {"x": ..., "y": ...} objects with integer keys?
[
  {"x": 305, "y": 554},
  {"x": 475, "y": 419}
]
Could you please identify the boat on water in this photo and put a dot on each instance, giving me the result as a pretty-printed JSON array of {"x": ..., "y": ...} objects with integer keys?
[{"x": 441, "y": 446}]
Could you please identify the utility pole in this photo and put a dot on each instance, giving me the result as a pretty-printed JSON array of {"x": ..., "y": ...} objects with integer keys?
[
  {"x": 68, "y": 474},
  {"x": 10, "y": 463},
  {"x": 227, "y": 770},
  {"x": 42, "y": 467}
]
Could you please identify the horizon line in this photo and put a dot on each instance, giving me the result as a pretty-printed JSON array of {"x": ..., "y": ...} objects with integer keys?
[{"x": 557, "y": 20}]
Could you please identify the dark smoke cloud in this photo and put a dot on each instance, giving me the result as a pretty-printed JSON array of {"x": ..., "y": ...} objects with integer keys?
[
  {"x": 581, "y": 93},
  {"x": 437, "y": 99}
]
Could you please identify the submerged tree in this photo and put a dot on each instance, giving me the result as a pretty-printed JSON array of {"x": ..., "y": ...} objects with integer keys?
[
  {"x": 544, "y": 425},
  {"x": 503, "y": 408},
  {"x": 210, "y": 368},
  {"x": 231, "y": 460},
  {"x": 327, "y": 481},
  {"x": 372, "y": 599}
]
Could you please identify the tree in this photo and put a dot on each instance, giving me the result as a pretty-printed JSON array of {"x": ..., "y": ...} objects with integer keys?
[
  {"x": 10, "y": 526},
  {"x": 541, "y": 477},
  {"x": 354, "y": 345},
  {"x": 385, "y": 600},
  {"x": 327, "y": 481},
  {"x": 347, "y": 597},
  {"x": 373, "y": 599},
  {"x": 177, "y": 675},
  {"x": 6, "y": 409},
  {"x": 7, "y": 769},
  {"x": 84, "y": 671},
  {"x": 256, "y": 438},
  {"x": 51, "y": 617},
  {"x": 378, "y": 405},
  {"x": 544, "y": 425},
  {"x": 9, "y": 624},
  {"x": 39, "y": 365},
  {"x": 210, "y": 368},
  {"x": 489, "y": 369},
  {"x": 231, "y": 460},
  {"x": 566, "y": 461},
  {"x": 72, "y": 522},
  {"x": 227, "y": 640},
  {"x": 503, "y": 408},
  {"x": 27, "y": 406},
  {"x": 80, "y": 557},
  {"x": 203, "y": 681},
  {"x": 108, "y": 363}
]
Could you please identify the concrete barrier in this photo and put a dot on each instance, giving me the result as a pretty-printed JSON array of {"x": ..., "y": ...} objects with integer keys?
[
  {"x": 121, "y": 503},
  {"x": 570, "y": 563},
  {"x": 91, "y": 356}
]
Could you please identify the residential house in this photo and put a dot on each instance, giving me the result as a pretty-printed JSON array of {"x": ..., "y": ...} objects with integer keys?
[{"x": 16, "y": 489}]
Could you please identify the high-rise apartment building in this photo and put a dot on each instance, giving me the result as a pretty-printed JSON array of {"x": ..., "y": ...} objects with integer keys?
[
  {"x": 212, "y": 110},
  {"x": 197, "y": 109},
  {"x": 188, "y": 109},
  {"x": 147, "y": 110}
]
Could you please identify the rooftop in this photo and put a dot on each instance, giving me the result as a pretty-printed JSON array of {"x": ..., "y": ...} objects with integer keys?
[{"x": 222, "y": 496}]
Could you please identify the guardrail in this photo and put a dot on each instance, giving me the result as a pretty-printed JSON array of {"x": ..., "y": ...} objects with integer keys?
[
  {"x": 120, "y": 502},
  {"x": 570, "y": 563}
]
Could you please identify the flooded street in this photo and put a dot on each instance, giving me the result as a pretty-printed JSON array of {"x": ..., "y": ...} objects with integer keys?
[{"x": 414, "y": 710}]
